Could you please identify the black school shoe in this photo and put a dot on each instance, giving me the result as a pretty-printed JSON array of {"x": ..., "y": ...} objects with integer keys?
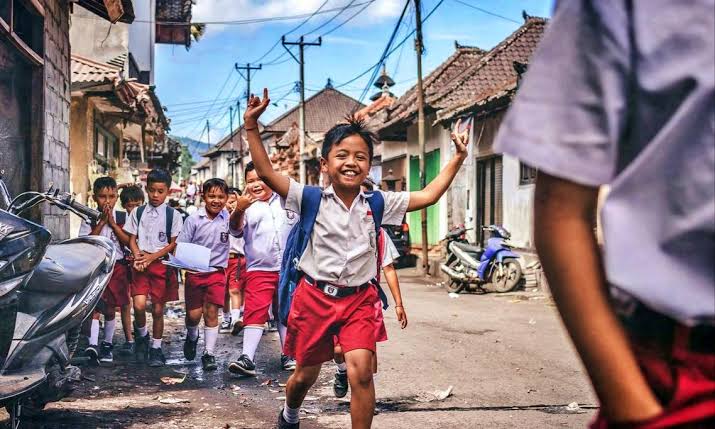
[
  {"x": 340, "y": 384},
  {"x": 283, "y": 424},
  {"x": 92, "y": 354},
  {"x": 141, "y": 347},
  {"x": 156, "y": 357},
  {"x": 209, "y": 362},
  {"x": 105, "y": 352},
  {"x": 243, "y": 366},
  {"x": 190, "y": 348}
]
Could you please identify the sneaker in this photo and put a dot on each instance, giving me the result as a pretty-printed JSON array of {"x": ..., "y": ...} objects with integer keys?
[
  {"x": 283, "y": 424},
  {"x": 156, "y": 357},
  {"x": 272, "y": 326},
  {"x": 92, "y": 354},
  {"x": 105, "y": 352},
  {"x": 141, "y": 347},
  {"x": 190, "y": 348},
  {"x": 236, "y": 326},
  {"x": 225, "y": 326},
  {"x": 340, "y": 384},
  {"x": 126, "y": 349},
  {"x": 243, "y": 366},
  {"x": 288, "y": 363},
  {"x": 209, "y": 362}
]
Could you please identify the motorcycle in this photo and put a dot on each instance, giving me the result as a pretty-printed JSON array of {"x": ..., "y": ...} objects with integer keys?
[
  {"x": 46, "y": 292},
  {"x": 492, "y": 269}
]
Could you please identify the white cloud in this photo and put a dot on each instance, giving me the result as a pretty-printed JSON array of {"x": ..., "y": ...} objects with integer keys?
[{"x": 346, "y": 41}]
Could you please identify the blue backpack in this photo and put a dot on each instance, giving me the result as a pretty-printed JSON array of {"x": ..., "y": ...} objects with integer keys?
[{"x": 299, "y": 237}]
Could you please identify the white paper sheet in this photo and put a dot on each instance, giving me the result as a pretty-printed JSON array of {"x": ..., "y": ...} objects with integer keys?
[{"x": 191, "y": 257}]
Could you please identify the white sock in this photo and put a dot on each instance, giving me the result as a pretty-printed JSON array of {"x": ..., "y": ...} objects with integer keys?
[
  {"x": 291, "y": 415},
  {"x": 235, "y": 314},
  {"x": 109, "y": 330},
  {"x": 251, "y": 338},
  {"x": 156, "y": 343},
  {"x": 94, "y": 333},
  {"x": 227, "y": 315},
  {"x": 143, "y": 331},
  {"x": 342, "y": 367},
  {"x": 210, "y": 337},
  {"x": 282, "y": 330},
  {"x": 192, "y": 332},
  {"x": 241, "y": 309}
]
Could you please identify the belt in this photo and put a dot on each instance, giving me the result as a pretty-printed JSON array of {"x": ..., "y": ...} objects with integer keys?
[
  {"x": 658, "y": 329},
  {"x": 123, "y": 262},
  {"x": 337, "y": 291},
  {"x": 234, "y": 255}
]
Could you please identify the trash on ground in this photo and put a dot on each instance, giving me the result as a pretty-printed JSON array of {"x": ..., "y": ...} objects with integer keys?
[
  {"x": 532, "y": 322},
  {"x": 173, "y": 401},
  {"x": 310, "y": 410},
  {"x": 437, "y": 395},
  {"x": 453, "y": 295},
  {"x": 573, "y": 407},
  {"x": 173, "y": 380}
]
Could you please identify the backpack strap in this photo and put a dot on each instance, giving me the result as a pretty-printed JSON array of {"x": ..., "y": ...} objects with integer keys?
[
  {"x": 169, "y": 222},
  {"x": 140, "y": 212},
  {"x": 309, "y": 206},
  {"x": 376, "y": 201},
  {"x": 120, "y": 217}
]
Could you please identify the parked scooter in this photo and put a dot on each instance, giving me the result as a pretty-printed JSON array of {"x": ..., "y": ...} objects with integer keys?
[
  {"x": 46, "y": 292},
  {"x": 493, "y": 269}
]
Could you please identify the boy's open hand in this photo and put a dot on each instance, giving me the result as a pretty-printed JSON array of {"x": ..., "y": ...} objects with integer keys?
[
  {"x": 401, "y": 316},
  {"x": 460, "y": 138},
  {"x": 255, "y": 109},
  {"x": 245, "y": 201}
]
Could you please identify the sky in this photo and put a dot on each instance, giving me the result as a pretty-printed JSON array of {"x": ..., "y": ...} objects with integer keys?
[{"x": 200, "y": 84}]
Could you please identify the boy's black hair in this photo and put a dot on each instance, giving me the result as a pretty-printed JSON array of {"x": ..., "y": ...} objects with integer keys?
[
  {"x": 249, "y": 167},
  {"x": 353, "y": 127},
  {"x": 231, "y": 190},
  {"x": 173, "y": 203},
  {"x": 214, "y": 183},
  {"x": 158, "y": 176},
  {"x": 103, "y": 182},
  {"x": 131, "y": 193}
]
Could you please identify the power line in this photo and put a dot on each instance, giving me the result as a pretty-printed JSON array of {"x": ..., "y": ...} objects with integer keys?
[
  {"x": 332, "y": 18},
  {"x": 225, "y": 82},
  {"x": 347, "y": 20},
  {"x": 487, "y": 12}
]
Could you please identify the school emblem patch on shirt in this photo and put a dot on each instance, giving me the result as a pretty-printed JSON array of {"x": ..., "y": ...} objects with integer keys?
[
  {"x": 290, "y": 214},
  {"x": 162, "y": 236},
  {"x": 224, "y": 237}
]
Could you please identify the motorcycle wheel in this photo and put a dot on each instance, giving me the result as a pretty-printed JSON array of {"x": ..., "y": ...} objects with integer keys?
[
  {"x": 30, "y": 408},
  {"x": 509, "y": 279},
  {"x": 454, "y": 286}
]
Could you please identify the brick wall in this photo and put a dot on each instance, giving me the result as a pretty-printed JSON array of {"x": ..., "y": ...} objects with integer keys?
[{"x": 55, "y": 136}]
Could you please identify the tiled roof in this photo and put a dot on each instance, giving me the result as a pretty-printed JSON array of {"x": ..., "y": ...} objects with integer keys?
[
  {"x": 322, "y": 111},
  {"x": 119, "y": 60},
  {"x": 450, "y": 69},
  {"x": 86, "y": 71},
  {"x": 492, "y": 74}
]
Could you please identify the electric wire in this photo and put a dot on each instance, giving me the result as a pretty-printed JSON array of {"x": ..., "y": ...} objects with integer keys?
[{"x": 487, "y": 11}]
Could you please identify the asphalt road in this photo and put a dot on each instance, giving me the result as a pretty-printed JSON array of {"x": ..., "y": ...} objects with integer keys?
[{"x": 505, "y": 357}]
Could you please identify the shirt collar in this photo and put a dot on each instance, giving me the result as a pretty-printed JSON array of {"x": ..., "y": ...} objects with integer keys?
[
  {"x": 331, "y": 191},
  {"x": 152, "y": 208},
  {"x": 202, "y": 212}
]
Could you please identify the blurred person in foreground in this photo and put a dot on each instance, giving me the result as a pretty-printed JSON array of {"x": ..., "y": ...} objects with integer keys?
[{"x": 622, "y": 93}]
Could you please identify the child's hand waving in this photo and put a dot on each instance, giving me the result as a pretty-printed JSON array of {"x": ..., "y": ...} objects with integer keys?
[
  {"x": 255, "y": 109},
  {"x": 460, "y": 137},
  {"x": 245, "y": 201}
]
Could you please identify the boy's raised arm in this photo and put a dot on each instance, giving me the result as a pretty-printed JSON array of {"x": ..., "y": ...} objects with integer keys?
[
  {"x": 276, "y": 181},
  {"x": 437, "y": 187}
]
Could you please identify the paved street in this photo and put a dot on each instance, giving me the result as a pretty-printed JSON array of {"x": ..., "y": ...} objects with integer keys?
[{"x": 505, "y": 356}]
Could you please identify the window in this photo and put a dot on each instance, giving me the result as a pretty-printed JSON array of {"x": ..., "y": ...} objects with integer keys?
[
  {"x": 106, "y": 146},
  {"x": 24, "y": 23},
  {"x": 527, "y": 174}
]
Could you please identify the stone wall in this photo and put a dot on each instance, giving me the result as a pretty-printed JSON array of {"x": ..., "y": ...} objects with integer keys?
[{"x": 56, "y": 106}]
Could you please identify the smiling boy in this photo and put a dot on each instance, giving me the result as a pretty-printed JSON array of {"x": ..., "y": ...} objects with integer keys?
[{"x": 342, "y": 254}]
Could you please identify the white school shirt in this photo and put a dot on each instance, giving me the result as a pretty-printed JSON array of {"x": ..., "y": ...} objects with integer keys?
[
  {"x": 342, "y": 249},
  {"x": 152, "y": 231},
  {"x": 236, "y": 244},
  {"x": 85, "y": 229},
  {"x": 265, "y": 229},
  {"x": 211, "y": 233}
]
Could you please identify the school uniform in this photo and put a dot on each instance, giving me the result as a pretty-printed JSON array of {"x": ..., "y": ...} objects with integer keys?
[
  {"x": 116, "y": 294},
  {"x": 236, "y": 269},
  {"x": 629, "y": 102},
  {"x": 156, "y": 281},
  {"x": 203, "y": 288},
  {"x": 265, "y": 229},
  {"x": 342, "y": 253}
]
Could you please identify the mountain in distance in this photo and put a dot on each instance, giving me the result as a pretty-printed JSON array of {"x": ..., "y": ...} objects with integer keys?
[{"x": 195, "y": 147}]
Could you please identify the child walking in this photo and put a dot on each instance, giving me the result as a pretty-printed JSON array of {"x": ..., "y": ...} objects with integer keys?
[
  {"x": 264, "y": 225},
  {"x": 116, "y": 294},
  {"x": 336, "y": 295},
  {"x": 153, "y": 229},
  {"x": 204, "y": 292},
  {"x": 235, "y": 273}
]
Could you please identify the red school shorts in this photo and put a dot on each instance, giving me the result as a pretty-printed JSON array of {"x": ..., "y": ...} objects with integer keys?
[
  {"x": 684, "y": 381},
  {"x": 236, "y": 273},
  {"x": 259, "y": 292},
  {"x": 152, "y": 282},
  {"x": 117, "y": 292},
  {"x": 204, "y": 288},
  {"x": 380, "y": 331},
  {"x": 315, "y": 318}
]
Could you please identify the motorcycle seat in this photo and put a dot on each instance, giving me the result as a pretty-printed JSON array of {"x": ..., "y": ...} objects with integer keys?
[
  {"x": 469, "y": 248},
  {"x": 67, "y": 268}
]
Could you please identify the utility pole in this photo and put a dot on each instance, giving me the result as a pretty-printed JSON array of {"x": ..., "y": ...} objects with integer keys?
[
  {"x": 421, "y": 130},
  {"x": 208, "y": 132},
  {"x": 247, "y": 68},
  {"x": 240, "y": 143},
  {"x": 301, "y": 111},
  {"x": 230, "y": 127}
]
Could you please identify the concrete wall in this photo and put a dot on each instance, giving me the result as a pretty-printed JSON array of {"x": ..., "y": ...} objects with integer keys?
[
  {"x": 142, "y": 35},
  {"x": 55, "y": 136},
  {"x": 518, "y": 205},
  {"x": 95, "y": 38}
]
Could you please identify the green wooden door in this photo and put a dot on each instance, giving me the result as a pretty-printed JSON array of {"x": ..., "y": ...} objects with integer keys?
[{"x": 431, "y": 171}]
